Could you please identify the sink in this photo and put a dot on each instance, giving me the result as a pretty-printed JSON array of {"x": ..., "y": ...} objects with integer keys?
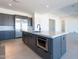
[{"x": 36, "y": 31}]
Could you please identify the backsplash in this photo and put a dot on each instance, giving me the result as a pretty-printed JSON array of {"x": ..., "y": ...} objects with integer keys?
[{"x": 6, "y": 28}]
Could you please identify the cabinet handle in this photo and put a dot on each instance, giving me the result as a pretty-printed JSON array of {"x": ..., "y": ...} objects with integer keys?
[{"x": 63, "y": 38}]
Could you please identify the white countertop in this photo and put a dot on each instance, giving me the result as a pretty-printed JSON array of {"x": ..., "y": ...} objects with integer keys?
[{"x": 48, "y": 34}]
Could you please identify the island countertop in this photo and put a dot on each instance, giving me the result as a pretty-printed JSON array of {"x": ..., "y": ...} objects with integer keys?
[{"x": 47, "y": 33}]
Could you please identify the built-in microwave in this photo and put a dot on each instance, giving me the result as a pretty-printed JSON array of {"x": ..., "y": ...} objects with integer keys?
[{"x": 42, "y": 42}]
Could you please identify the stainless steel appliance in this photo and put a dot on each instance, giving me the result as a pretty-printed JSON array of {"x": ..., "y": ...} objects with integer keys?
[{"x": 42, "y": 42}]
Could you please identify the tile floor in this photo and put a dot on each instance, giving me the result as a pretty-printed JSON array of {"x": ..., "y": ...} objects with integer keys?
[
  {"x": 72, "y": 48},
  {"x": 16, "y": 49}
]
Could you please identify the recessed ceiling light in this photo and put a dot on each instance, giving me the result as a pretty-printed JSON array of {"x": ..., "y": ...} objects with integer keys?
[
  {"x": 47, "y": 6},
  {"x": 10, "y": 4},
  {"x": 13, "y": 1},
  {"x": 16, "y": 1}
]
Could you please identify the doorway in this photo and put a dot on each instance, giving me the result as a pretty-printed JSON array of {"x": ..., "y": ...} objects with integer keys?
[
  {"x": 51, "y": 25},
  {"x": 62, "y": 25}
]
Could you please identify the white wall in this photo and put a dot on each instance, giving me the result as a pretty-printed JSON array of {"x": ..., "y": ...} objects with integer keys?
[
  {"x": 8, "y": 11},
  {"x": 57, "y": 23},
  {"x": 58, "y": 27},
  {"x": 43, "y": 20},
  {"x": 71, "y": 24}
]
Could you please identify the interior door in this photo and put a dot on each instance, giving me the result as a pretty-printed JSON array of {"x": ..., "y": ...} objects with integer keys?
[
  {"x": 52, "y": 25},
  {"x": 63, "y": 25}
]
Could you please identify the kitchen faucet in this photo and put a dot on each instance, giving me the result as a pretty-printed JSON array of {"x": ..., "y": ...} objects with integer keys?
[{"x": 38, "y": 26}]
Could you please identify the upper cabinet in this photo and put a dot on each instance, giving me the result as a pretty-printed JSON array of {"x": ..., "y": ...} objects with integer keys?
[
  {"x": 9, "y": 20},
  {"x": 6, "y": 20}
]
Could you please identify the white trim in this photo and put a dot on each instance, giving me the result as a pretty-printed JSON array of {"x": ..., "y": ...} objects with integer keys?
[{"x": 12, "y": 12}]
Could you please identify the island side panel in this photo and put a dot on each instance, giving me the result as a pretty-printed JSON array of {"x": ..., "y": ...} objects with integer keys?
[
  {"x": 59, "y": 47},
  {"x": 56, "y": 49}
]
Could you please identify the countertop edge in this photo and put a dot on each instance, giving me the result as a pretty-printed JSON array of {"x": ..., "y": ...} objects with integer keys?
[{"x": 49, "y": 36}]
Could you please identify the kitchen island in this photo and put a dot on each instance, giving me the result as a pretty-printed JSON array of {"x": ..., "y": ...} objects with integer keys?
[{"x": 48, "y": 45}]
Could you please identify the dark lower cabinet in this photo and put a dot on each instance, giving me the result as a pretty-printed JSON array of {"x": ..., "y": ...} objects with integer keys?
[
  {"x": 56, "y": 46},
  {"x": 1, "y": 35},
  {"x": 30, "y": 41}
]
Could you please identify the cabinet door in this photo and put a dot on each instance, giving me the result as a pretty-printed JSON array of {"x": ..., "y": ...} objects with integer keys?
[
  {"x": 4, "y": 19},
  {"x": 32, "y": 41},
  {"x": 11, "y": 20},
  {"x": 26, "y": 38},
  {"x": 6, "y": 33},
  {"x": 7, "y": 20},
  {"x": 1, "y": 35},
  {"x": 57, "y": 48},
  {"x": 63, "y": 44},
  {"x": 1, "y": 20}
]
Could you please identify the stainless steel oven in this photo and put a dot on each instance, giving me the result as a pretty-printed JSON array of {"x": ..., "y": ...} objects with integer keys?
[{"x": 42, "y": 42}]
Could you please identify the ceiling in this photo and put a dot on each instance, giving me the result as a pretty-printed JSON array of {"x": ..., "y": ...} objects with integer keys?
[
  {"x": 71, "y": 10},
  {"x": 31, "y": 6}
]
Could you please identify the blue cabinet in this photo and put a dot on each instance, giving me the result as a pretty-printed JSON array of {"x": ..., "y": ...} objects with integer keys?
[
  {"x": 5, "y": 35},
  {"x": 2, "y": 35},
  {"x": 63, "y": 46},
  {"x": 58, "y": 47},
  {"x": 56, "y": 50}
]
